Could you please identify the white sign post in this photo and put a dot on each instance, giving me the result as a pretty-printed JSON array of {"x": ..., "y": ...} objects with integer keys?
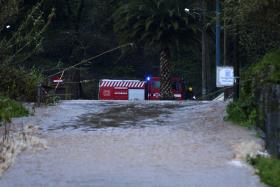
[{"x": 225, "y": 76}]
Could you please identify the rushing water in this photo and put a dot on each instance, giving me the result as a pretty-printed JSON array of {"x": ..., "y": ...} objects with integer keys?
[{"x": 139, "y": 144}]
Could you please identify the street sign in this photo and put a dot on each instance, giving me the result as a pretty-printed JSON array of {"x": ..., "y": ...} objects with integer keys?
[
  {"x": 57, "y": 79},
  {"x": 225, "y": 76}
]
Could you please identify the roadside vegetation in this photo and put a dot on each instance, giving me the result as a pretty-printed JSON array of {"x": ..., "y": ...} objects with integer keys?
[
  {"x": 268, "y": 169},
  {"x": 10, "y": 108},
  {"x": 246, "y": 111},
  {"x": 21, "y": 35},
  {"x": 249, "y": 109},
  {"x": 258, "y": 42},
  {"x": 19, "y": 83}
]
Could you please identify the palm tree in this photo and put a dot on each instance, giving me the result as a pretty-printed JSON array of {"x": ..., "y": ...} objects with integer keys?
[{"x": 154, "y": 23}]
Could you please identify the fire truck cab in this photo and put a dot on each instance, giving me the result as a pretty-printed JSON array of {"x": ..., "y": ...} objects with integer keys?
[{"x": 153, "y": 88}]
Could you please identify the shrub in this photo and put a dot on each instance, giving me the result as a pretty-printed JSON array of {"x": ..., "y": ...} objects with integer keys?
[
  {"x": 268, "y": 169},
  {"x": 243, "y": 112},
  {"x": 248, "y": 109},
  {"x": 10, "y": 108},
  {"x": 19, "y": 84},
  {"x": 236, "y": 113}
]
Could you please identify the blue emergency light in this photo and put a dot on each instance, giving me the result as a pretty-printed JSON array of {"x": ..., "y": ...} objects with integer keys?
[{"x": 148, "y": 78}]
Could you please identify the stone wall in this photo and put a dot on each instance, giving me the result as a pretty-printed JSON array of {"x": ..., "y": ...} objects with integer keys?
[{"x": 271, "y": 108}]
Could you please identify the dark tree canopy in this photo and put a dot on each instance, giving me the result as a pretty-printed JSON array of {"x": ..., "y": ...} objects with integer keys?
[
  {"x": 158, "y": 23},
  {"x": 81, "y": 29}
]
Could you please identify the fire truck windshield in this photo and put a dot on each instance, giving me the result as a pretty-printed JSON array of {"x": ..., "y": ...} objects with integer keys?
[{"x": 156, "y": 84}]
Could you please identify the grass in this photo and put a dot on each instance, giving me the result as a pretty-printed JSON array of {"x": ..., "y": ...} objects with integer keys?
[
  {"x": 10, "y": 108},
  {"x": 268, "y": 169}
]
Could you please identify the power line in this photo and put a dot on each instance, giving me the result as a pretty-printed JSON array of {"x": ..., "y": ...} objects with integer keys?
[
  {"x": 92, "y": 58},
  {"x": 82, "y": 62}
]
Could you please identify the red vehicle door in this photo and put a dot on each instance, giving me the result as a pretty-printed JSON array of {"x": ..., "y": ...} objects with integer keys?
[
  {"x": 154, "y": 88},
  {"x": 177, "y": 88}
]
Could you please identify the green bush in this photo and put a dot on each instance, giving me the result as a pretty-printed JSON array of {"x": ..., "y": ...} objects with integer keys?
[
  {"x": 243, "y": 112},
  {"x": 247, "y": 110},
  {"x": 10, "y": 108},
  {"x": 268, "y": 70},
  {"x": 19, "y": 84},
  {"x": 268, "y": 169},
  {"x": 236, "y": 113}
]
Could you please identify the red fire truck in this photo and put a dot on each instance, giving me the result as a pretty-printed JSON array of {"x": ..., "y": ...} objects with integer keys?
[
  {"x": 121, "y": 89},
  {"x": 138, "y": 90},
  {"x": 153, "y": 88}
]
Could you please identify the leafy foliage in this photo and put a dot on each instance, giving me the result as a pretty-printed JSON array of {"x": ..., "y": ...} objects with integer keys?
[
  {"x": 161, "y": 24},
  {"x": 268, "y": 70},
  {"x": 19, "y": 83},
  {"x": 187, "y": 65},
  {"x": 247, "y": 109},
  {"x": 9, "y": 9},
  {"x": 158, "y": 23},
  {"x": 10, "y": 108},
  {"x": 84, "y": 28},
  {"x": 256, "y": 22},
  {"x": 268, "y": 170},
  {"x": 79, "y": 30},
  {"x": 19, "y": 41},
  {"x": 242, "y": 112}
]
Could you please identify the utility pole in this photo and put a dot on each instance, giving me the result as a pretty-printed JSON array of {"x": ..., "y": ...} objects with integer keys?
[
  {"x": 218, "y": 33},
  {"x": 225, "y": 39},
  {"x": 227, "y": 91},
  {"x": 204, "y": 47},
  {"x": 236, "y": 64},
  {"x": 203, "y": 50}
]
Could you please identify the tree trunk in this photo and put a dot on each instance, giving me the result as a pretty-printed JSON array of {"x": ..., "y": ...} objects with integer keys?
[
  {"x": 165, "y": 82},
  {"x": 208, "y": 65}
]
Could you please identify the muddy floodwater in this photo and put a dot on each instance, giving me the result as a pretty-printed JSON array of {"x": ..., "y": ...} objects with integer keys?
[{"x": 135, "y": 144}]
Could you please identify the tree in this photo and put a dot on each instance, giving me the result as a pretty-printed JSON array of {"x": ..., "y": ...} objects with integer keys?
[
  {"x": 155, "y": 23},
  {"x": 252, "y": 30},
  {"x": 21, "y": 37},
  {"x": 205, "y": 20},
  {"x": 256, "y": 23},
  {"x": 18, "y": 42}
]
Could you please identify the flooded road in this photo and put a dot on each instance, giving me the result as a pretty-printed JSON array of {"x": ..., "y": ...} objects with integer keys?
[{"x": 139, "y": 144}]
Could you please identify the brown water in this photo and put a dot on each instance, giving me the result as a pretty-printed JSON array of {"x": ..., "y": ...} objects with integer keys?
[{"x": 144, "y": 144}]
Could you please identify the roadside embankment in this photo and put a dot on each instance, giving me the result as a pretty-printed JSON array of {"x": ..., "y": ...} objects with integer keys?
[{"x": 15, "y": 140}]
